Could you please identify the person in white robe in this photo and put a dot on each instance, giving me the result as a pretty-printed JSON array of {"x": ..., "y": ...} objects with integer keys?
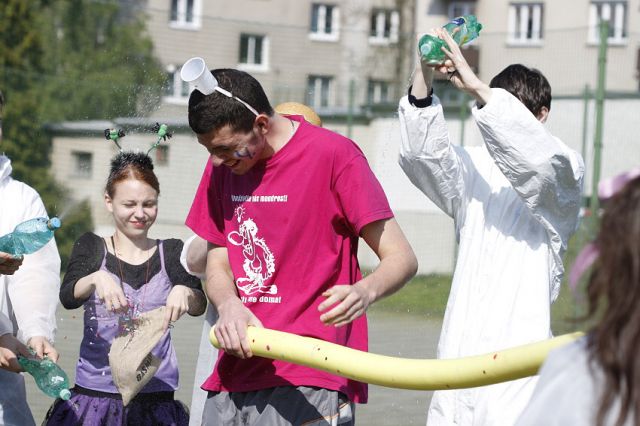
[{"x": 514, "y": 201}]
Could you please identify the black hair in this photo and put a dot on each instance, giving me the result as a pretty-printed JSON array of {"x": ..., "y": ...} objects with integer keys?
[
  {"x": 529, "y": 85},
  {"x": 131, "y": 165},
  {"x": 212, "y": 112}
]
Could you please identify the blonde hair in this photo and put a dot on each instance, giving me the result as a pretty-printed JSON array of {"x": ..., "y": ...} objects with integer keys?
[{"x": 295, "y": 108}]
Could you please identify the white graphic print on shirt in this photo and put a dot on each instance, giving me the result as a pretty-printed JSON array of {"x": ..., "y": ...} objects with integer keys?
[{"x": 259, "y": 262}]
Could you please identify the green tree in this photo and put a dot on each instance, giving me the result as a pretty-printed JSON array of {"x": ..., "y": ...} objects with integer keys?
[
  {"x": 69, "y": 60},
  {"x": 101, "y": 60}
]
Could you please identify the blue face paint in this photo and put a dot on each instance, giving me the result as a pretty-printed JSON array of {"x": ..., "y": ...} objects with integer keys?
[{"x": 245, "y": 153}]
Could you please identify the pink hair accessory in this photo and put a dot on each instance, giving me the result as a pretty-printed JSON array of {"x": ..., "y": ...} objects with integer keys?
[
  {"x": 583, "y": 261},
  {"x": 607, "y": 188}
]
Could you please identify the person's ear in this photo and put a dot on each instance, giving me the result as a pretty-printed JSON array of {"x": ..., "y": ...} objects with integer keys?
[
  {"x": 543, "y": 114},
  {"x": 108, "y": 202},
  {"x": 262, "y": 123}
]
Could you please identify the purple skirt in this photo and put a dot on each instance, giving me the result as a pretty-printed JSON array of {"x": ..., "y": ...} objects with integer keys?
[{"x": 91, "y": 408}]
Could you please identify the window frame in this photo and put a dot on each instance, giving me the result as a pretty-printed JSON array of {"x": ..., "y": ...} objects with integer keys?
[
  {"x": 180, "y": 90},
  {"x": 80, "y": 172},
  {"x": 253, "y": 66},
  {"x": 178, "y": 19},
  {"x": 334, "y": 32},
  {"x": 519, "y": 17},
  {"x": 318, "y": 91},
  {"x": 469, "y": 8},
  {"x": 379, "y": 20},
  {"x": 375, "y": 89},
  {"x": 619, "y": 31}
]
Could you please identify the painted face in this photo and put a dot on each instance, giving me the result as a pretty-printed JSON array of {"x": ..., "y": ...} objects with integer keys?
[
  {"x": 235, "y": 150},
  {"x": 134, "y": 207}
]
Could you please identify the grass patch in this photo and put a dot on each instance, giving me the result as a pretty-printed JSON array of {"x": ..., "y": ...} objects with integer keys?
[
  {"x": 427, "y": 295},
  {"x": 424, "y": 295}
]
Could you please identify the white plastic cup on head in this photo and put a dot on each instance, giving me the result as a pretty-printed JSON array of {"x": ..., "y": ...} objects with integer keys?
[{"x": 195, "y": 72}]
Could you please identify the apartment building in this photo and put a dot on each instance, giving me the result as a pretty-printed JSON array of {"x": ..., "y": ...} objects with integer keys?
[
  {"x": 331, "y": 55},
  {"x": 351, "y": 60},
  {"x": 561, "y": 39}
]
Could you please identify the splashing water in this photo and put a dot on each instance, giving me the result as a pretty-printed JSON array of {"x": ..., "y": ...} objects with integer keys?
[{"x": 69, "y": 207}]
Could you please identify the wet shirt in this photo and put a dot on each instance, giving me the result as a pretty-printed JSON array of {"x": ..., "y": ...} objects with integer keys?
[
  {"x": 144, "y": 293},
  {"x": 291, "y": 227}
]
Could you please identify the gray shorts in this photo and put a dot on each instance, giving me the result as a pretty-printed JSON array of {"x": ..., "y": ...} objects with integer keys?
[{"x": 280, "y": 406}]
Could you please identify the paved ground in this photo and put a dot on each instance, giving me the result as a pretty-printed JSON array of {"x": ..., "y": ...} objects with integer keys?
[{"x": 393, "y": 335}]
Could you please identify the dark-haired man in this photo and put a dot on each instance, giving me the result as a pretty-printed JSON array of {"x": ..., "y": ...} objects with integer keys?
[
  {"x": 515, "y": 203},
  {"x": 282, "y": 204}
]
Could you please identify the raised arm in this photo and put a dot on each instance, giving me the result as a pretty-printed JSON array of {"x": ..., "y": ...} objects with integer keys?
[
  {"x": 542, "y": 170},
  {"x": 426, "y": 155}
]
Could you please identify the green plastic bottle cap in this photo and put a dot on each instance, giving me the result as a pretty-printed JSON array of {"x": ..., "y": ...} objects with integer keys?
[
  {"x": 65, "y": 394},
  {"x": 54, "y": 223}
]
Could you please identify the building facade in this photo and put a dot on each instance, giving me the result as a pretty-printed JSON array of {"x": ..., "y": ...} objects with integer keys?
[{"x": 351, "y": 60}]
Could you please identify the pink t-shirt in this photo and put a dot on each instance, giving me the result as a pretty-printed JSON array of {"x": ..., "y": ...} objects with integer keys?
[{"x": 291, "y": 227}]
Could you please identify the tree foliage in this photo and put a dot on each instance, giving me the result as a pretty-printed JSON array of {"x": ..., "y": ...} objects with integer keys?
[
  {"x": 69, "y": 60},
  {"x": 102, "y": 61}
]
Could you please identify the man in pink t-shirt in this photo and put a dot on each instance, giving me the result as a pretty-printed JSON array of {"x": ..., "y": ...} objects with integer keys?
[{"x": 282, "y": 204}]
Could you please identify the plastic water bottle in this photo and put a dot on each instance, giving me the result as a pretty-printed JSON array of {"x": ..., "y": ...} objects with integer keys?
[
  {"x": 30, "y": 236},
  {"x": 50, "y": 378},
  {"x": 429, "y": 46}
]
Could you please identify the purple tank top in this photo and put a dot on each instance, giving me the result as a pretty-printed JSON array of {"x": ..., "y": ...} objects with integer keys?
[{"x": 101, "y": 327}]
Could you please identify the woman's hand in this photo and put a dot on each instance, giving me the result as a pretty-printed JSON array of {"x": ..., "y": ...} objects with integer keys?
[
  {"x": 108, "y": 291},
  {"x": 177, "y": 304}
]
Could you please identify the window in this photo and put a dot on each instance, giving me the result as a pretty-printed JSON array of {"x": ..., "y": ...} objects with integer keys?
[
  {"x": 82, "y": 164},
  {"x": 176, "y": 90},
  {"x": 525, "y": 23},
  {"x": 384, "y": 26},
  {"x": 378, "y": 92},
  {"x": 185, "y": 14},
  {"x": 325, "y": 22},
  {"x": 162, "y": 155},
  {"x": 253, "y": 52},
  {"x": 461, "y": 8},
  {"x": 318, "y": 91},
  {"x": 615, "y": 12}
]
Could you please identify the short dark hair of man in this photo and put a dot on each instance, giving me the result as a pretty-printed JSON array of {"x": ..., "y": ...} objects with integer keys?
[
  {"x": 529, "y": 85},
  {"x": 212, "y": 112}
]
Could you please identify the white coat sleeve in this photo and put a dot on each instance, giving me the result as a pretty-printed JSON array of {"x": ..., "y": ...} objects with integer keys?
[
  {"x": 542, "y": 170},
  {"x": 6, "y": 327},
  {"x": 183, "y": 258},
  {"x": 428, "y": 158},
  {"x": 34, "y": 288}
]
